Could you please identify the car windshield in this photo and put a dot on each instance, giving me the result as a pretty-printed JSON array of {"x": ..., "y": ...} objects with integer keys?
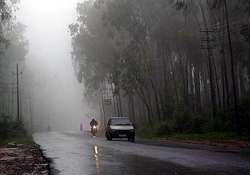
[{"x": 120, "y": 121}]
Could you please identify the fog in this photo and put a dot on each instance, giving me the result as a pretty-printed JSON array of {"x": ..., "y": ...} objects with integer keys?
[{"x": 56, "y": 97}]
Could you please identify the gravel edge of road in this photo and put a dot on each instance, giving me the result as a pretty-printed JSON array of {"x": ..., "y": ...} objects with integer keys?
[
  {"x": 48, "y": 160},
  {"x": 51, "y": 166},
  {"x": 29, "y": 157}
]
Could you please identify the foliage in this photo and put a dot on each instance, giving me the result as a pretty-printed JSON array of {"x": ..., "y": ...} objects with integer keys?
[
  {"x": 219, "y": 136},
  {"x": 245, "y": 115},
  {"x": 6, "y": 13},
  {"x": 13, "y": 49},
  {"x": 10, "y": 129},
  {"x": 172, "y": 56}
]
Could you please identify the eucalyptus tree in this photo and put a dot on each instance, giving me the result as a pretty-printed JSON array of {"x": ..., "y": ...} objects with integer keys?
[{"x": 151, "y": 51}]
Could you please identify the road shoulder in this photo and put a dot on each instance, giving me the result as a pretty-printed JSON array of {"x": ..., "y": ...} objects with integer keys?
[
  {"x": 217, "y": 146},
  {"x": 23, "y": 159}
]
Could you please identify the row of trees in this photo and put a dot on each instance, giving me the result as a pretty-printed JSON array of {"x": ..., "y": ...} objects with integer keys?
[
  {"x": 183, "y": 63},
  {"x": 13, "y": 48}
]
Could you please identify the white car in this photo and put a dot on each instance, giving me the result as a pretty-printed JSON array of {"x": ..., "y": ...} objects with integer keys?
[{"x": 120, "y": 127}]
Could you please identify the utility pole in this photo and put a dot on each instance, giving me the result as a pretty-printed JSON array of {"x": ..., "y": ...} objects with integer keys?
[
  {"x": 103, "y": 109},
  {"x": 17, "y": 90}
]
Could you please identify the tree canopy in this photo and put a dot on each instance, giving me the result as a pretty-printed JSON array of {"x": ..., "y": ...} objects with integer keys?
[{"x": 182, "y": 61}]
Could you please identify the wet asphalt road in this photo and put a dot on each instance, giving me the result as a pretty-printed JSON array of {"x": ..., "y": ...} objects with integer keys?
[{"x": 81, "y": 154}]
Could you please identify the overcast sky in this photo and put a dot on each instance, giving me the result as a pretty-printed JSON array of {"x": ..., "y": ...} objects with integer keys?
[{"x": 59, "y": 95}]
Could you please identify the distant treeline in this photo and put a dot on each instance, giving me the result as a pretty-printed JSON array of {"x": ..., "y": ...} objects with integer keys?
[
  {"x": 182, "y": 65},
  {"x": 13, "y": 48}
]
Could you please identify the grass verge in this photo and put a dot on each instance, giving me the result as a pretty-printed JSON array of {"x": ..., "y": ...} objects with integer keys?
[
  {"x": 17, "y": 140},
  {"x": 207, "y": 136},
  {"x": 13, "y": 132},
  {"x": 153, "y": 133}
]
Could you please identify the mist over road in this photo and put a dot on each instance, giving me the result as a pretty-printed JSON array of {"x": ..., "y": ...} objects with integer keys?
[
  {"x": 77, "y": 153},
  {"x": 55, "y": 94}
]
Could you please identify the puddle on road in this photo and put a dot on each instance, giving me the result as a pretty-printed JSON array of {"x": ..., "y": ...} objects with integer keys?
[{"x": 113, "y": 162}]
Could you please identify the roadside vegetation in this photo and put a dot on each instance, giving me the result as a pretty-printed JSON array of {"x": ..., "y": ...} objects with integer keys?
[
  {"x": 13, "y": 132},
  {"x": 190, "y": 126},
  {"x": 172, "y": 66},
  {"x": 149, "y": 133},
  {"x": 19, "y": 154},
  {"x": 13, "y": 49}
]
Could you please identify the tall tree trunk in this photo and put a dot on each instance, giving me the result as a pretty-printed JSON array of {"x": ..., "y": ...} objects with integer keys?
[
  {"x": 191, "y": 87},
  {"x": 197, "y": 89},
  {"x": 157, "y": 104},
  {"x": 185, "y": 82},
  {"x": 120, "y": 102},
  {"x": 131, "y": 107},
  {"x": 217, "y": 84},
  {"x": 114, "y": 102},
  {"x": 186, "y": 67},
  {"x": 117, "y": 106},
  {"x": 174, "y": 82},
  {"x": 224, "y": 65},
  {"x": 147, "y": 104},
  {"x": 209, "y": 56},
  {"x": 236, "y": 120}
]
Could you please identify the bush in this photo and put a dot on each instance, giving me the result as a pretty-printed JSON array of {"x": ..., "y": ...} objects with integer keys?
[
  {"x": 244, "y": 109},
  {"x": 223, "y": 122},
  {"x": 10, "y": 129},
  {"x": 145, "y": 130},
  {"x": 187, "y": 122},
  {"x": 183, "y": 121},
  {"x": 164, "y": 128},
  {"x": 200, "y": 124}
]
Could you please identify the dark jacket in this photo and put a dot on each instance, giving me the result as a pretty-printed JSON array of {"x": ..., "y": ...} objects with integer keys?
[{"x": 93, "y": 122}]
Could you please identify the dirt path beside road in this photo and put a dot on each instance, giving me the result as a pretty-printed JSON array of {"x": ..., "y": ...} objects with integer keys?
[{"x": 22, "y": 159}]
